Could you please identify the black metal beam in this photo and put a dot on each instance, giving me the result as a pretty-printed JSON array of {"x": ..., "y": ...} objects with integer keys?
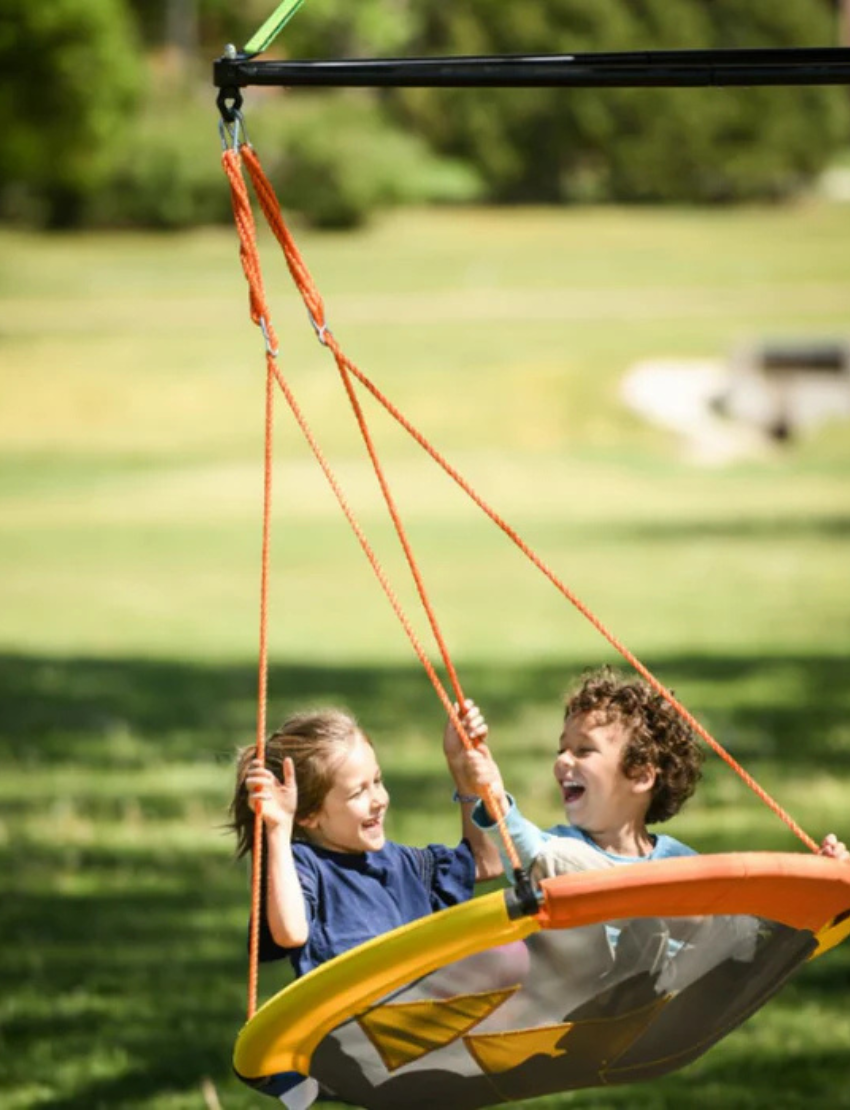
[{"x": 646, "y": 69}]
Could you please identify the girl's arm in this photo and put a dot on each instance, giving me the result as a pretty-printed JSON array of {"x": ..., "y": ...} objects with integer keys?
[{"x": 276, "y": 802}]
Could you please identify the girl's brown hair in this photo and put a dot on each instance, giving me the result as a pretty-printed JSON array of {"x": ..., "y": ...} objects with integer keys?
[
  {"x": 658, "y": 737},
  {"x": 316, "y": 743}
]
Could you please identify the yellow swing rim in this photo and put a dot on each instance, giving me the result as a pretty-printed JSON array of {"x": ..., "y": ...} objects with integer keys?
[{"x": 801, "y": 891}]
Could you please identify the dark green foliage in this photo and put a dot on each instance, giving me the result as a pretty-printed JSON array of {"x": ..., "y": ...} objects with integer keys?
[
  {"x": 216, "y": 21},
  {"x": 333, "y": 160},
  {"x": 165, "y": 172},
  {"x": 70, "y": 78},
  {"x": 78, "y": 146},
  {"x": 124, "y": 962},
  {"x": 339, "y": 29},
  {"x": 324, "y": 29},
  {"x": 337, "y": 159},
  {"x": 74, "y": 151},
  {"x": 625, "y": 144}
]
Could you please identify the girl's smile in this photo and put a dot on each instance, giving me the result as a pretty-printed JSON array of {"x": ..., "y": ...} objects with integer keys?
[{"x": 351, "y": 818}]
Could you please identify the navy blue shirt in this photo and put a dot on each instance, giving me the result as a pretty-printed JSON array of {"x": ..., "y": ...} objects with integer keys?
[{"x": 351, "y": 897}]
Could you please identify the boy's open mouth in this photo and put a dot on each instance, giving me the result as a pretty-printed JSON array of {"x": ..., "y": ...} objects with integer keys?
[{"x": 572, "y": 792}]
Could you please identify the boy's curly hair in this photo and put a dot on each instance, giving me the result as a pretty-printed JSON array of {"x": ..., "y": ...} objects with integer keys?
[{"x": 658, "y": 736}]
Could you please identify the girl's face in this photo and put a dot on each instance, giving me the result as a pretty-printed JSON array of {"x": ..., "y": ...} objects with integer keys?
[
  {"x": 598, "y": 797},
  {"x": 351, "y": 818}
]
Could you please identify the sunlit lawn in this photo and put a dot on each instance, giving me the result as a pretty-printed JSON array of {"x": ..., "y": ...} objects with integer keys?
[{"x": 130, "y": 501}]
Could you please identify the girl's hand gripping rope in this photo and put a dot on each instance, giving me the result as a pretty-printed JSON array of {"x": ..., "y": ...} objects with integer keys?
[{"x": 275, "y": 801}]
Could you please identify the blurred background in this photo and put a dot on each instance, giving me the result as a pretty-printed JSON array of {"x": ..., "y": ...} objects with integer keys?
[
  {"x": 621, "y": 314},
  {"x": 106, "y": 110}
]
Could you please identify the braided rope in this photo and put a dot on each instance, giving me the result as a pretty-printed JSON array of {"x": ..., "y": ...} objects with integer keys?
[
  {"x": 315, "y": 306},
  {"x": 244, "y": 219},
  {"x": 249, "y": 256}
]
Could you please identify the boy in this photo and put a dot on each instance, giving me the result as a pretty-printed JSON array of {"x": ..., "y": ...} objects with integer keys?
[{"x": 625, "y": 760}]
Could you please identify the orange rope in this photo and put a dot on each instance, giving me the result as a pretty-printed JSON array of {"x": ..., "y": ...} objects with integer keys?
[
  {"x": 244, "y": 219},
  {"x": 251, "y": 266},
  {"x": 315, "y": 307},
  {"x": 259, "y": 314},
  {"x": 621, "y": 648},
  {"x": 262, "y": 699}
]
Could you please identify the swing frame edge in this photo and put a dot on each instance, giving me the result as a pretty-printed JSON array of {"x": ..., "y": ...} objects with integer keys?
[{"x": 777, "y": 66}]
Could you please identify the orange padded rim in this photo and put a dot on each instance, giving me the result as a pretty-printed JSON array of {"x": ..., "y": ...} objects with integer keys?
[{"x": 794, "y": 889}]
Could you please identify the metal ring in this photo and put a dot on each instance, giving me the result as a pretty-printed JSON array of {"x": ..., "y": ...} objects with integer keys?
[
  {"x": 321, "y": 330},
  {"x": 229, "y": 101},
  {"x": 234, "y": 133},
  {"x": 264, "y": 328}
]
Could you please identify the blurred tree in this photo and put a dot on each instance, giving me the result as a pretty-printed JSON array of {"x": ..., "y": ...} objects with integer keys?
[
  {"x": 182, "y": 26},
  {"x": 211, "y": 22},
  {"x": 76, "y": 68},
  {"x": 71, "y": 76},
  {"x": 628, "y": 144},
  {"x": 321, "y": 27},
  {"x": 341, "y": 29},
  {"x": 335, "y": 160}
]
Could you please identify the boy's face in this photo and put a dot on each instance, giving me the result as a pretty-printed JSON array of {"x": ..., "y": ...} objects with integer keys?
[
  {"x": 351, "y": 818},
  {"x": 598, "y": 797}
]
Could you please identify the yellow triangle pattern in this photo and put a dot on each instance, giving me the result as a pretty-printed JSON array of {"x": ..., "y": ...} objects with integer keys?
[
  {"x": 830, "y": 935},
  {"x": 406, "y": 1031},
  {"x": 596, "y": 1043}
]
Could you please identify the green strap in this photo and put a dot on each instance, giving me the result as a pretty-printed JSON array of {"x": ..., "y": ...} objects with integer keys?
[{"x": 272, "y": 26}]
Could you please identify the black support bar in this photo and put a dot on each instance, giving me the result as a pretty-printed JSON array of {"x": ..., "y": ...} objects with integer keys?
[{"x": 646, "y": 69}]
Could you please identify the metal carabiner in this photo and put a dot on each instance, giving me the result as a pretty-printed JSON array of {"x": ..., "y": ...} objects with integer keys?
[{"x": 229, "y": 101}]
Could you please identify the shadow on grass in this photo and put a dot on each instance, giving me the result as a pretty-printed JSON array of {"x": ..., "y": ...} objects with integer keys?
[
  {"x": 121, "y": 997},
  {"x": 823, "y": 526},
  {"x": 133, "y": 712},
  {"x": 725, "y": 1077},
  {"x": 123, "y": 969}
]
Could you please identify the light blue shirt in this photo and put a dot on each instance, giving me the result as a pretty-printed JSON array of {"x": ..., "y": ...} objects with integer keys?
[{"x": 529, "y": 840}]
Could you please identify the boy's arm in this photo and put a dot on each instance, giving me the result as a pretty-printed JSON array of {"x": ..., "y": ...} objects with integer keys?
[
  {"x": 468, "y": 782},
  {"x": 474, "y": 770},
  {"x": 527, "y": 838},
  {"x": 286, "y": 913}
]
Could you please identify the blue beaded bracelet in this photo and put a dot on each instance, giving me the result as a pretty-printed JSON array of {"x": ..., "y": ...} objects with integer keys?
[{"x": 465, "y": 797}]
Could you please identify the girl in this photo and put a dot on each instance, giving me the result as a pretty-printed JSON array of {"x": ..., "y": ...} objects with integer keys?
[{"x": 332, "y": 879}]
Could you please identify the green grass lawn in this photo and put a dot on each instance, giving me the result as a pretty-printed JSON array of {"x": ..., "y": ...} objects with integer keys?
[{"x": 130, "y": 500}]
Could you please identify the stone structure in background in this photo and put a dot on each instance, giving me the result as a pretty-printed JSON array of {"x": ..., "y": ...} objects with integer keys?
[
  {"x": 785, "y": 388},
  {"x": 764, "y": 393}
]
